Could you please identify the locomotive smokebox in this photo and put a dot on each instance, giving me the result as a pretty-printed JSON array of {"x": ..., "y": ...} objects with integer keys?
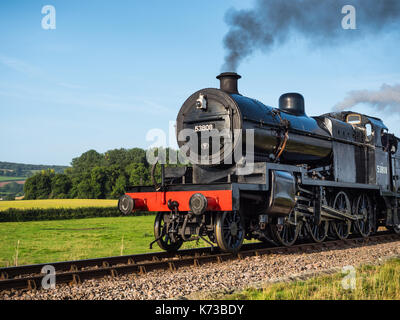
[
  {"x": 292, "y": 103},
  {"x": 229, "y": 82}
]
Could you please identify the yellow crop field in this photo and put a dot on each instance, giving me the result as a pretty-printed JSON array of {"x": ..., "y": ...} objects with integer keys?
[{"x": 56, "y": 203}]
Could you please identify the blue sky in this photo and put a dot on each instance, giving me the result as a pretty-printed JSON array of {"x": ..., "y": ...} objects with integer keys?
[{"x": 112, "y": 70}]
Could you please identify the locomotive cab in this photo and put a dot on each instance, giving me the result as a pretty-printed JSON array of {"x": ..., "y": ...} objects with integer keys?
[{"x": 357, "y": 121}]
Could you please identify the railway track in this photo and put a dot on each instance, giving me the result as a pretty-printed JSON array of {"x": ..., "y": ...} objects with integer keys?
[{"x": 29, "y": 277}]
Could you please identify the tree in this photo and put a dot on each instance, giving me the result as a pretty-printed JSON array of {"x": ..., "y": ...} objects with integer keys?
[
  {"x": 43, "y": 185},
  {"x": 60, "y": 186},
  {"x": 137, "y": 155},
  {"x": 87, "y": 161},
  {"x": 138, "y": 174},
  {"x": 84, "y": 190},
  {"x": 113, "y": 173},
  {"x": 9, "y": 197},
  {"x": 98, "y": 180},
  {"x": 120, "y": 187},
  {"x": 30, "y": 188},
  {"x": 123, "y": 157},
  {"x": 93, "y": 175},
  {"x": 39, "y": 185},
  {"x": 12, "y": 187}
]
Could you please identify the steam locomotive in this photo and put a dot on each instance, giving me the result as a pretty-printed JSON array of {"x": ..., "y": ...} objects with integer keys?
[{"x": 272, "y": 174}]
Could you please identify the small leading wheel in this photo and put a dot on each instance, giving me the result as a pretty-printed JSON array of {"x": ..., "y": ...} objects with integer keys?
[
  {"x": 317, "y": 232},
  {"x": 363, "y": 208},
  {"x": 342, "y": 228},
  {"x": 165, "y": 241},
  {"x": 229, "y": 231},
  {"x": 287, "y": 233}
]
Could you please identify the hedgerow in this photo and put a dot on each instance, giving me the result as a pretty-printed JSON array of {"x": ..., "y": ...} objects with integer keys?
[{"x": 19, "y": 215}]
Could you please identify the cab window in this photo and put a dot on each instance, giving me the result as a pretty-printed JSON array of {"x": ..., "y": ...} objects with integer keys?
[
  {"x": 368, "y": 131},
  {"x": 353, "y": 119}
]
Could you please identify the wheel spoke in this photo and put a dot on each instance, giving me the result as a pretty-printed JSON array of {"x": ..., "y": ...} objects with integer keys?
[
  {"x": 229, "y": 231},
  {"x": 341, "y": 229},
  {"x": 288, "y": 234},
  {"x": 161, "y": 232},
  {"x": 364, "y": 209}
]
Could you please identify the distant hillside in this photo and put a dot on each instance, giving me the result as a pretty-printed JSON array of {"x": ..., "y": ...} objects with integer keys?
[
  {"x": 13, "y": 176},
  {"x": 11, "y": 169}
]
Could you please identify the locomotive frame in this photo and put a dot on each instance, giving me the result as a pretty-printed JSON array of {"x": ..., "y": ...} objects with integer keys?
[{"x": 296, "y": 188}]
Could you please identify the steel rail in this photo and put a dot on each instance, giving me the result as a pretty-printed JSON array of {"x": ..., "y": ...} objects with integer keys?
[
  {"x": 141, "y": 264},
  {"x": 8, "y": 273}
]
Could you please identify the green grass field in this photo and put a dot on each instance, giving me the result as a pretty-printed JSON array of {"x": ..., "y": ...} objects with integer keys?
[
  {"x": 49, "y": 241},
  {"x": 57, "y": 203},
  {"x": 379, "y": 282},
  {"x": 5, "y": 178}
]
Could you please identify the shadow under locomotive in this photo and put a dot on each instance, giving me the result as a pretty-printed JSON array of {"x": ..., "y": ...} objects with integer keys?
[{"x": 311, "y": 177}]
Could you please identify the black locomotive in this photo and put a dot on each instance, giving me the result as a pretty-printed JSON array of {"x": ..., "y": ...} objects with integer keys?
[{"x": 258, "y": 172}]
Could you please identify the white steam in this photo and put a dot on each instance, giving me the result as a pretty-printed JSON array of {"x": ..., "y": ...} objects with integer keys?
[{"x": 387, "y": 97}]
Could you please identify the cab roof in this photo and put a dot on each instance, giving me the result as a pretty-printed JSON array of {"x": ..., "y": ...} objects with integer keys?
[{"x": 365, "y": 118}]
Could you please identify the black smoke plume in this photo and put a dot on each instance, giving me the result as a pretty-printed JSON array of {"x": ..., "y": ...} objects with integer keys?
[{"x": 271, "y": 22}]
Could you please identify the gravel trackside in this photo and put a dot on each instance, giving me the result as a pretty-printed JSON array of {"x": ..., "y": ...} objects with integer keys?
[{"x": 215, "y": 279}]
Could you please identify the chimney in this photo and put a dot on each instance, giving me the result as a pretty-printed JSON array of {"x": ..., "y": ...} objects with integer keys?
[{"x": 229, "y": 82}]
